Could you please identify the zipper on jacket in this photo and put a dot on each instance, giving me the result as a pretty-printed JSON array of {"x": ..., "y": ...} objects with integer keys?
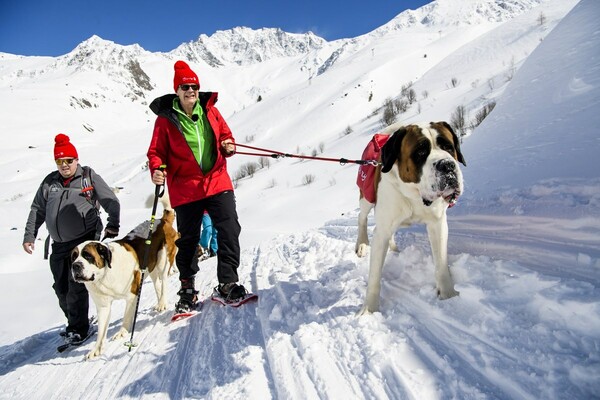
[
  {"x": 62, "y": 196},
  {"x": 199, "y": 144}
]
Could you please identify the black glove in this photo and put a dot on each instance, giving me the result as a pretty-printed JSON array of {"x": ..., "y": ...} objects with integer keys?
[{"x": 110, "y": 233}]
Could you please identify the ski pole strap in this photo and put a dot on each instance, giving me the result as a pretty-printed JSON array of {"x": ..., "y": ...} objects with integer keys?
[{"x": 159, "y": 190}]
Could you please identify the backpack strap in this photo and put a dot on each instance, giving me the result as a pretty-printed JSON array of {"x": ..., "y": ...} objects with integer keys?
[{"x": 87, "y": 187}]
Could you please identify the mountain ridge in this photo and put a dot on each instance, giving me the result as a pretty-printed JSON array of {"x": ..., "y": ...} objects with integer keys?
[{"x": 244, "y": 46}]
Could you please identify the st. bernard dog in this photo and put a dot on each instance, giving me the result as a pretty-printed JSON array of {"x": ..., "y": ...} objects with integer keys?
[
  {"x": 111, "y": 271},
  {"x": 417, "y": 179}
]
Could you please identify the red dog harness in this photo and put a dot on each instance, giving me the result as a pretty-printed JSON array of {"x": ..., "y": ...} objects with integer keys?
[{"x": 366, "y": 173}]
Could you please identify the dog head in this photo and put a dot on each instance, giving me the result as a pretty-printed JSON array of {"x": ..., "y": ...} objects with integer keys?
[
  {"x": 168, "y": 216},
  {"x": 426, "y": 156},
  {"x": 90, "y": 260}
]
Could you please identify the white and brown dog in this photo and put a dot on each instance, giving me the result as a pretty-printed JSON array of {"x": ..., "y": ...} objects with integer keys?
[
  {"x": 112, "y": 271},
  {"x": 417, "y": 180}
]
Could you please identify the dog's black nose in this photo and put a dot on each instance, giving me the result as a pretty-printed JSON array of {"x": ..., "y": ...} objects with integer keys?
[
  {"x": 444, "y": 166},
  {"x": 77, "y": 266}
]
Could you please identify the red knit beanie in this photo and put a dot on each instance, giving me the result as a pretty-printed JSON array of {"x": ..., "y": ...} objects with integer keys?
[
  {"x": 63, "y": 147},
  {"x": 184, "y": 75}
]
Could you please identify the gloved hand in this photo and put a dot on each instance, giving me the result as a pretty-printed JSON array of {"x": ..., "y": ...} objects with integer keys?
[{"x": 110, "y": 233}]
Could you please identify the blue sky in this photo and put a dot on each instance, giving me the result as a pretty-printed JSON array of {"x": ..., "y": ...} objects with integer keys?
[{"x": 55, "y": 27}]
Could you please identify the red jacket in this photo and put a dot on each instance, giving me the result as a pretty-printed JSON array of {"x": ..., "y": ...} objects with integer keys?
[{"x": 185, "y": 180}]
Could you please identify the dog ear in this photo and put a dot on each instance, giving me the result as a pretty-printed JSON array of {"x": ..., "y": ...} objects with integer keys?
[
  {"x": 390, "y": 152},
  {"x": 105, "y": 253},
  {"x": 459, "y": 155},
  {"x": 74, "y": 254}
]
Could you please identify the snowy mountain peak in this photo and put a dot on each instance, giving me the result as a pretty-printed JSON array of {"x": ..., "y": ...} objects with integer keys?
[
  {"x": 96, "y": 53},
  {"x": 246, "y": 46},
  {"x": 444, "y": 13},
  {"x": 120, "y": 63}
]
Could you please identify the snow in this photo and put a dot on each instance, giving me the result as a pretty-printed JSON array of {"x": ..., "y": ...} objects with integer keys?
[{"x": 524, "y": 243}]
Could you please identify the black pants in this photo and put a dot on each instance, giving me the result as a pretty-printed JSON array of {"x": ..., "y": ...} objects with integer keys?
[
  {"x": 221, "y": 208},
  {"x": 73, "y": 297}
]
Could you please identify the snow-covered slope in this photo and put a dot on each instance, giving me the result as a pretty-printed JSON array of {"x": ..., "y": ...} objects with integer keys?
[{"x": 523, "y": 244}]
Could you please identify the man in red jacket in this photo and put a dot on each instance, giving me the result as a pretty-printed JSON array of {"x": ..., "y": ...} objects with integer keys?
[{"x": 193, "y": 140}]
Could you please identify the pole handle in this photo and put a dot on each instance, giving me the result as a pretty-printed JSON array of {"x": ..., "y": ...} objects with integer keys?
[{"x": 159, "y": 189}]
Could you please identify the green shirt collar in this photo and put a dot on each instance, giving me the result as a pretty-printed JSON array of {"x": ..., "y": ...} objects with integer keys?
[{"x": 177, "y": 107}]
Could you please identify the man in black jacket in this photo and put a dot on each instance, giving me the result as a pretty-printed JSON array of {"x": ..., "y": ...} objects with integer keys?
[{"x": 66, "y": 201}]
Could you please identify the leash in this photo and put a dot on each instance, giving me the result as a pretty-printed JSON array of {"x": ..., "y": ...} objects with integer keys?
[
  {"x": 279, "y": 154},
  {"x": 159, "y": 190}
]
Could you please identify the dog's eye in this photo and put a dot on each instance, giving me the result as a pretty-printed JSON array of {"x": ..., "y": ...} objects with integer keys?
[
  {"x": 447, "y": 147},
  {"x": 421, "y": 153},
  {"x": 74, "y": 255},
  {"x": 87, "y": 256}
]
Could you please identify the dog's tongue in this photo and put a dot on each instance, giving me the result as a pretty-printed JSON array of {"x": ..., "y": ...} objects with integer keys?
[{"x": 451, "y": 199}]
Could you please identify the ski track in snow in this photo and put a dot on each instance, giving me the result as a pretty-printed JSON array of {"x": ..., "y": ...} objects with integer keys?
[{"x": 309, "y": 344}]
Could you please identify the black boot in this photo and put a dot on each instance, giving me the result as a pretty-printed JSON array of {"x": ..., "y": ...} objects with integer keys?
[
  {"x": 188, "y": 296},
  {"x": 231, "y": 291}
]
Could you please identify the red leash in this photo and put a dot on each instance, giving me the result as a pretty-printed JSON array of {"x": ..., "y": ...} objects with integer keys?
[{"x": 278, "y": 154}]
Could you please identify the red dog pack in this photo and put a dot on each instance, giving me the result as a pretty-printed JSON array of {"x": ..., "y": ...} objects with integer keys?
[{"x": 366, "y": 173}]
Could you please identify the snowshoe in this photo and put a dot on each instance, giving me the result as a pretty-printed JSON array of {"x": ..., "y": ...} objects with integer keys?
[
  {"x": 73, "y": 339},
  {"x": 187, "y": 312},
  {"x": 232, "y": 294}
]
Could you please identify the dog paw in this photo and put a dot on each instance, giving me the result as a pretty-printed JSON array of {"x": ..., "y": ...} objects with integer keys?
[
  {"x": 96, "y": 351},
  {"x": 446, "y": 294},
  {"x": 393, "y": 246},
  {"x": 365, "y": 310},
  {"x": 120, "y": 335},
  {"x": 361, "y": 250},
  {"x": 160, "y": 307}
]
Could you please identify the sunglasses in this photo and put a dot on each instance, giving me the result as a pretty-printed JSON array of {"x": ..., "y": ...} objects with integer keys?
[
  {"x": 62, "y": 161},
  {"x": 185, "y": 88}
]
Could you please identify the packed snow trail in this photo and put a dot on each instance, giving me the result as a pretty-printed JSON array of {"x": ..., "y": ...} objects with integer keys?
[{"x": 302, "y": 338}]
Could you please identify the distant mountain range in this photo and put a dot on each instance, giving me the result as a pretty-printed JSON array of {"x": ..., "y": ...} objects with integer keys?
[
  {"x": 245, "y": 46},
  {"x": 114, "y": 72}
]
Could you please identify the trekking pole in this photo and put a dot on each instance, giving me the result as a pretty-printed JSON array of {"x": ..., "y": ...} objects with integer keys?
[{"x": 157, "y": 194}]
